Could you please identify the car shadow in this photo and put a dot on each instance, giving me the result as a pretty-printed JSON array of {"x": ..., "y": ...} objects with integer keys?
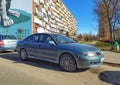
[
  {"x": 34, "y": 62},
  {"x": 112, "y": 77}
]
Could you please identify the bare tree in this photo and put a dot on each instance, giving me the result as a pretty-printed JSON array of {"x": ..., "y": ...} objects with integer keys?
[{"x": 108, "y": 12}]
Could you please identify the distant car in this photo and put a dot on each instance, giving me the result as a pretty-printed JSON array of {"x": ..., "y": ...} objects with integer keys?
[
  {"x": 8, "y": 42},
  {"x": 59, "y": 49}
]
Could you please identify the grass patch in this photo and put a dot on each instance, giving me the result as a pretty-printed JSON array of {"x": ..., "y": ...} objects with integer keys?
[
  {"x": 117, "y": 51},
  {"x": 103, "y": 45},
  {"x": 85, "y": 42}
]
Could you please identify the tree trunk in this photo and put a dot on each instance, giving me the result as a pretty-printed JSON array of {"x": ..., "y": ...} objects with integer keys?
[{"x": 111, "y": 32}]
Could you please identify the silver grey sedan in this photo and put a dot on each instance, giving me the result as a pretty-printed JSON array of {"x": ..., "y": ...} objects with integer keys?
[{"x": 8, "y": 42}]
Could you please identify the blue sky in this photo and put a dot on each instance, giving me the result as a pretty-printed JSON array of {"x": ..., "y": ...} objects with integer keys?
[{"x": 82, "y": 10}]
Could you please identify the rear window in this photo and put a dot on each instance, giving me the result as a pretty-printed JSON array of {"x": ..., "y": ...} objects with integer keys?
[
  {"x": 0, "y": 37},
  {"x": 8, "y": 37}
]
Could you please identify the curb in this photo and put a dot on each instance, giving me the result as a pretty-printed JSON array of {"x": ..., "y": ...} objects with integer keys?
[{"x": 112, "y": 64}]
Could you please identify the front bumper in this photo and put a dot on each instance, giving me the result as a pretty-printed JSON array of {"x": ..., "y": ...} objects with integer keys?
[{"x": 90, "y": 63}]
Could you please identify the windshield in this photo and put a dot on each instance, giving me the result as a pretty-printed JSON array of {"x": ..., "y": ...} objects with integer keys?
[
  {"x": 61, "y": 39},
  {"x": 8, "y": 37}
]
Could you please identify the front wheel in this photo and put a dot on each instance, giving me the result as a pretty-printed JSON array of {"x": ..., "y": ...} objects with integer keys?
[
  {"x": 23, "y": 55},
  {"x": 67, "y": 63}
]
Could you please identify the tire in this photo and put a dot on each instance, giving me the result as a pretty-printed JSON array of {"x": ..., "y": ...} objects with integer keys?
[
  {"x": 23, "y": 55},
  {"x": 67, "y": 63}
]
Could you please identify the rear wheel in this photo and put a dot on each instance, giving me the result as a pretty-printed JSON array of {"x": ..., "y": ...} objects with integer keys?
[
  {"x": 67, "y": 63},
  {"x": 23, "y": 55}
]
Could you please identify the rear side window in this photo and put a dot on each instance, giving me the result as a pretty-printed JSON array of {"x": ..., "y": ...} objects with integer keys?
[
  {"x": 4, "y": 37},
  {"x": 33, "y": 38}
]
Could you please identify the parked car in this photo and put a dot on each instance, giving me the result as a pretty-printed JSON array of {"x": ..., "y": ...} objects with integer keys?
[
  {"x": 8, "y": 42},
  {"x": 59, "y": 49}
]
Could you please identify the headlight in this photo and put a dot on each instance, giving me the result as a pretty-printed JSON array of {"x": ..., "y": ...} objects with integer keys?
[{"x": 91, "y": 54}]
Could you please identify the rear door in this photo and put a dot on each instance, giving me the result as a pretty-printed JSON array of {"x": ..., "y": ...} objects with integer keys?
[{"x": 31, "y": 44}]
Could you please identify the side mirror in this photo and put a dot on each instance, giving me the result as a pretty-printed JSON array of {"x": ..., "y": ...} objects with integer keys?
[{"x": 51, "y": 42}]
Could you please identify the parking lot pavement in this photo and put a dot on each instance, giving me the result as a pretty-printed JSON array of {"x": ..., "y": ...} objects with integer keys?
[
  {"x": 13, "y": 71},
  {"x": 112, "y": 57}
]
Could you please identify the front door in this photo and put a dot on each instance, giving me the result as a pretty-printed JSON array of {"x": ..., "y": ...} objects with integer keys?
[{"x": 46, "y": 50}]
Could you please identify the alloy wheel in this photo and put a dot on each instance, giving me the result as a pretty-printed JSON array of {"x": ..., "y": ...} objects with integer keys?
[{"x": 67, "y": 63}]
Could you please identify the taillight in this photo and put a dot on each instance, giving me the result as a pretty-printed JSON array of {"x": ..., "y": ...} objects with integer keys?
[{"x": 1, "y": 43}]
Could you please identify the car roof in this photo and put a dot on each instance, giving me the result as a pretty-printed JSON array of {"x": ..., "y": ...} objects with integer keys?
[
  {"x": 5, "y": 34},
  {"x": 48, "y": 33}
]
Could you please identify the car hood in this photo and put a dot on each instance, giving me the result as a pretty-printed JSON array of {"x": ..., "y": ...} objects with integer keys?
[{"x": 79, "y": 47}]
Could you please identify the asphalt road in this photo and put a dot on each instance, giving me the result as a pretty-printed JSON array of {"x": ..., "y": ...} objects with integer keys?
[{"x": 13, "y": 71}]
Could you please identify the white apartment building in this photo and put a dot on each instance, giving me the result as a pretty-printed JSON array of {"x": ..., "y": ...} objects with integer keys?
[{"x": 52, "y": 16}]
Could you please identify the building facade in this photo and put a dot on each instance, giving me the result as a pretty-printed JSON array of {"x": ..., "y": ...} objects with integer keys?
[{"x": 52, "y": 16}]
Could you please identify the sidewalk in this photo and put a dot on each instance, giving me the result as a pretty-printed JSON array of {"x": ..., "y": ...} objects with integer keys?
[{"x": 111, "y": 57}]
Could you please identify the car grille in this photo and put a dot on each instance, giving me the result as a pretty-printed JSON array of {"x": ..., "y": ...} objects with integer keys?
[
  {"x": 93, "y": 63},
  {"x": 98, "y": 53}
]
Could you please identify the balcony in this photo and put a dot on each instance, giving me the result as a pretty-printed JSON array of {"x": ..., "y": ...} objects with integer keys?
[
  {"x": 36, "y": 19},
  {"x": 46, "y": 31},
  {"x": 47, "y": 27},
  {"x": 47, "y": 4},
  {"x": 50, "y": 1},
  {"x": 53, "y": 30},
  {"x": 36, "y": 1},
  {"x": 40, "y": 30},
  {"x": 51, "y": 20},
  {"x": 58, "y": 4},
  {"x": 58, "y": 20},
  {"x": 53, "y": 25},
  {"x": 52, "y": 7},
  {"x": 44, "y": 11},
  {"x": 40, "y": 14},
  {"x": 41, "y": 1},
  {"x": 53, "y": 17},
  {"x": 46, "y": 20}
]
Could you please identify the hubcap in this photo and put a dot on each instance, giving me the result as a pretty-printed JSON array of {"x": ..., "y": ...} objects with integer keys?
[
  {"x": 67, "y": 63},
  {"x": 23, "y": 54}
]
